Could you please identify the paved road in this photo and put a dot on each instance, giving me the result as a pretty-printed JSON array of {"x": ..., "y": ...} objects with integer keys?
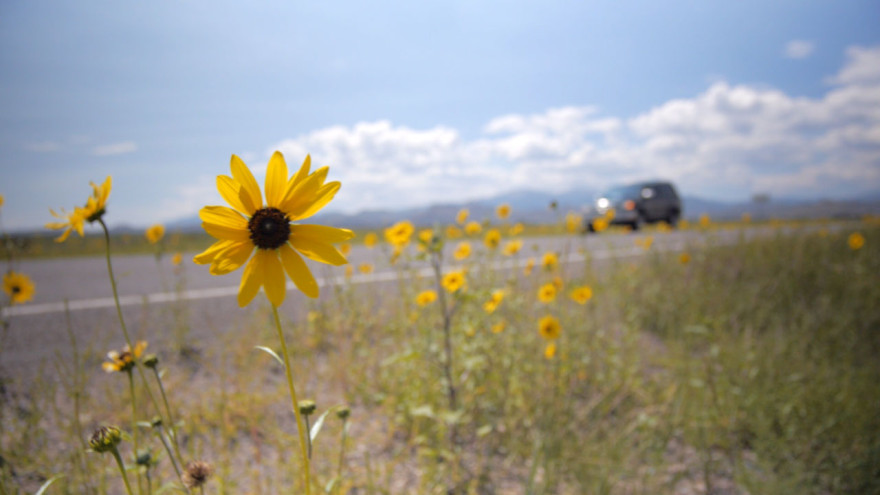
[{"x": 37, "y": 329}]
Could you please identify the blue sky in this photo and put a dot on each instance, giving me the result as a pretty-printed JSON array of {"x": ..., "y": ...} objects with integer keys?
[{"x": 418, "y": 102}]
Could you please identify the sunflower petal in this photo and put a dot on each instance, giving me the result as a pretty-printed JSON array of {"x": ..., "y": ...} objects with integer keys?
[
  {"x": 231, "y": 258},
  {"x": 251, "y": 280},
  {"x": 321, "y": 233},
  {"x": 273, "y": 276},
  {"x": 299, "y": 198},
  {"x": 276, "y": 180},
  {"x": 230, "y": 189},
  {"x": 298, "y": 271},
  {"x": 63, "y": 237},
  {"x": 223, "y": 217},
  {"x": 208, "y": 255},
  {"x": 250, "y": 191},
  {"x": 226, "y": 233},
  {"x": 318, "y": 250},
  {"x": 301, "y": 174},
  {"x": 324, "y": 195}
]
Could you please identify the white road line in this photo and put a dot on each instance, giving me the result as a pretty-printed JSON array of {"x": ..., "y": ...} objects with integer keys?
[{"x": 194, "y": 294}]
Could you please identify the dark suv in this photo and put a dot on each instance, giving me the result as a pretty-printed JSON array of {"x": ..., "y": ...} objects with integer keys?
[{"x": 636, "y": 204}]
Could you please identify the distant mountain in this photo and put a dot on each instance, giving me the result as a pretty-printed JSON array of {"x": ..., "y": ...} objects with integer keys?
[{"x": 532, "y": 206}]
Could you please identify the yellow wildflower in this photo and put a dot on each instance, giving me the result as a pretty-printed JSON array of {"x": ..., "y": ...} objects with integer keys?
[
  {"x": 124, "y": 361},
  {"x": 399, "y": 233},
  {"x": 365, "y": 268},
  {"x": 503, "y": 211},
  {"x": 155, "y": 233},
  {"x": 547, "y": 293},
  {"x": 462, "y": 251},
  {"x": 581, "y": 294},
  {"x": 472, "y": 228},
  {"x": 684, "y": 258},
  {"x": 856, "y": 240},
  {"x": 462, "y": 216},
  {"x": 492, "y": 238},
  {"x": 548, "y": 327},
  {"x": 92, "y": 211},
  {"x": 516, "y": 229},
  {"x": 371, "y": 239},
  {"x": 499, "y": 327},
  {"x": 425, "y": 235},
  {"x": 550, "y": 261},
  {"x": 177, "y": 259},
  {"x": 573, "y": 222},
  {"x": 453, "y": 232},
  {"x": 494, "y": 300},
  {"x": 426, "y": 297},
  {"x": 600, "y": 224},
  {"x": 453, "y": 281},
  {"x": 512, "y": 247},
  {"x": 705, "y": 220},
  {"x": 550, "y": 350},
  {"x": 530, "y": 265},
  {"x": 266, "y": 231},
  {"x": 746, "y": 217},
  {"x": 344, "y": 248},
  {"x": 18, "y": 286}
]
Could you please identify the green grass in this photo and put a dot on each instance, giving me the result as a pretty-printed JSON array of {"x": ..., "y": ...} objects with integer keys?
[{"x": 750, "y": 369}]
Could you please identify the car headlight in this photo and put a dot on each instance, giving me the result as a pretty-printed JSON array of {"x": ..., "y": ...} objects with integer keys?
[{"x": 603, "y": 203}]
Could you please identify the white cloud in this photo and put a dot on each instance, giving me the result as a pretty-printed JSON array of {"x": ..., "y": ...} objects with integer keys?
[
  {"x": 115, "y": 148},
  {"x": 728, "y": 142},
  {"x": 799, "y": 49}
]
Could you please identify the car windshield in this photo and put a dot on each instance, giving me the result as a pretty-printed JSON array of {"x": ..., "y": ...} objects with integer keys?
[{"x": 621, "y": 192}]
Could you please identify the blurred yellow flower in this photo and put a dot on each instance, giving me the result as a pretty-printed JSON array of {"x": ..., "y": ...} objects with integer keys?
[
  {"x": 124, "y": 360},
  {"x": 547, "y": 293},
  {"x": 494, "y": 300},
  {"x": 581, "y": 294},
  {"x": 558, "y": 283},
  {"x": 516, "y": 229},
  {"x": 399, "y": 233},
  {"x": 492, "y": 238},
  {"x": 499, "y": 327},
  {"x": 426, "y": 297},
  {"x": 155, "y": 233},
  {"x": 266, "y": 231},
  {"x": 550, "y": 350},
  {"x": 746, "y": 217},
  {"x": 573, "y": 222},
  {"x": 645, "y": 243},
  {"x": 177, "y": 259},
  {"x": 856, "y": 240},
  {"x": 453, "y": 281},
  {"x": 371, "y": 239},
  {"x": 549, "y": 328},
  {"x": 530, "y": 265},
  {"x": 18, "y": 286},
  {"x": 705, "y": 220},
  {"x": 684, "y": 258},
  {"x": 344, "y": 248},
  {"x": 92, "y": 211},
  {"x": 365, "y": 268},
  {"x": 600, "y": 224},
  {"x": 425, "y": 235},
  {"x": 503, "y": 211},
  {"x": 512, "y": 247},
  {"x": 349, "y": 271},
  {"x": 462, "y": 216},
  {"x": 683, "y": 224},
  {"x": 472, "y": 228},
  {"x": 1, "y": 200},
  {"x": 462, "y": 251},
  {"x": 550, "y": 261},
  {"x": 609, "y": 215},
  {"x": 453, "y": 232}
]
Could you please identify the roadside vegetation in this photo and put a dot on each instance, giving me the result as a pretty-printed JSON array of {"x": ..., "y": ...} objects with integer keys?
[{"x": 720, "y": 368}]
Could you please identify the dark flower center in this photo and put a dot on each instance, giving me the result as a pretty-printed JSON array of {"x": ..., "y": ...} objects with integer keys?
[
  {"x": 16, "y": 289},
  {"x": 269, "y": 228}
]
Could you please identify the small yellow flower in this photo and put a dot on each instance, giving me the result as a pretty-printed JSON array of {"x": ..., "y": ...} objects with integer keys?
[
  {"x": 124, "y": 361},
  {"x": 548, "y": 327},
  {"x": 645, "y": 243},
  {"x": 573, "y": 222},
  {"x": 395, "y": 254},
  {"x": 18, "y": 286},
  {"x": 558, "y": 283},
  {"x": 550, "y": 350},
  {"x": 1, "y": 200},
  {"x": 462, "y": 216},
  {"x": 547, "y": 293},
  {"x": 453, "y": 281},
  {"x": 426, "y": 297},
  {"x": 499, "y": 327},
  {"x": 492, "y": 238},
  {"x": 105, "y": 439},
  {"x": 550, "y": 261},
  {"x": 683, "y": 224},
  {"x": 155, "y": 233},
  {"x": 349, "y": 271},
  {"x": 581, "y": 294},
  {"x": 371, "y": 239},
  {"x": 426, "y": 235},
  {"x": 530, "y": 265},
  {"x": 453, "y": 232},
  {"x": 92, "y": 211},
  {"x": 512, "y": 247},
  {"x": 473, "y": 228},
  {"x": 267, "y": 231},
  {"x": 684, "y": 258},
  {"x": 705, "y": 220},
  {"x": 177, "y": 259},
  {"x": 609, "y": 215},
  {"x": 492, "y": 304},
  {"x": 746, "y": 217},
  {"x": 462, "y": 251},
  {"x": 345, "y": 248},
  {"x": 503, "y": 211},
  {"x": 399, "y": 233},
  {"x": 600, "y": 224},
  {"x": 516, "y": 229},
  {"x": 365, "y": 268},
  {"x": 856, "y": 240}
]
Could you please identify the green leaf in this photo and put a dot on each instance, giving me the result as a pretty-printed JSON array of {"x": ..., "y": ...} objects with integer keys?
[
  {"x": 316, "y": 428},
  {"x": 48, "y": 482},
  {"x": 271, "y": 353}
]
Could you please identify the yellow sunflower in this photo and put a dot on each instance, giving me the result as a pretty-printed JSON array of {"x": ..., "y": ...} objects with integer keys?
[
  {"x": 473, "y": 228},
  {"x": 503, "y": 211},
  {"x": 371, "y": 239},
  {"x": 426, "y": 297},
  {"x": 462, "y": 216},
  {"x": 855, "y": 241},
  {"x": 512, "y": 247},
  {"x": 550, "y": 261},
  {"x": 123, "y": 361},
  {"x": 92, "y": 211},
  {"x": 453, "y": 281},
  {"x": 462, "y": 251},
  {"x": 19, "y": 287},
  {"x": 547, "y": 293},
  {"x": 398, "y": 234},
  {"x": 154, "y": 233},
  {"x": 267, "y": 228},
  {"x": 581, "y": 294},
  {"x": 549, "y": 328},
  {"x": 492, "y": 238},
  {"x": 494, "y": 300},
  {"x": 453, "y": 232}
]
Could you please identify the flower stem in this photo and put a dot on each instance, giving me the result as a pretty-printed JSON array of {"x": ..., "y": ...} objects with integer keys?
[
  {"x": 119, "y": 463},
  {"x": 300, "y": 427},
  {"x": 172, "y": 429},
  {"x": 134, "y": 426}
]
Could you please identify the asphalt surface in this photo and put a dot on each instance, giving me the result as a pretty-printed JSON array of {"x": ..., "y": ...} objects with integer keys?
[{"x": 37, "y": 330}]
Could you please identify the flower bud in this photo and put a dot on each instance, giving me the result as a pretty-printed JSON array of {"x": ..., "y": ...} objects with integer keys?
[
  {"x": 151, "y": 361},
  {"x": 307, "y": 407},
  {"x": 343, "y": 413},
  {"x": 105, "y": 439}
]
